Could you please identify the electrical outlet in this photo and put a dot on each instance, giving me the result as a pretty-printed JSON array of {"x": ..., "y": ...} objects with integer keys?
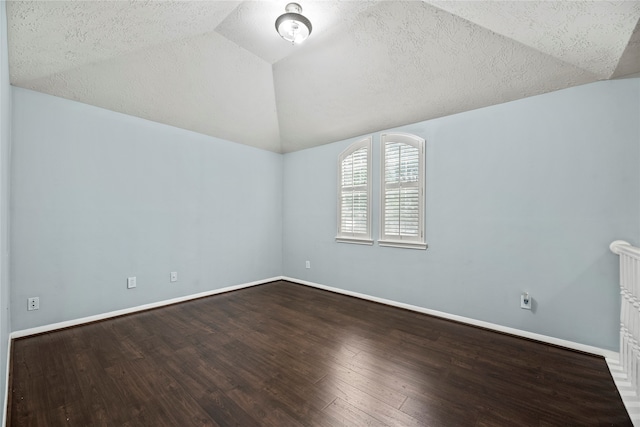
[
  {"x": 308, "y": 264},
  {"x": 33, "y": 303},
  {"x": 525, "y": 301},
  {"x": 131, "y": 282},
  {"x": 173, "y": 276}
]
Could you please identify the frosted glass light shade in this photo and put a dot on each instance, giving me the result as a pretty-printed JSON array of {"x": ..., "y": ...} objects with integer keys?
[{"x": 292, "y": 26}]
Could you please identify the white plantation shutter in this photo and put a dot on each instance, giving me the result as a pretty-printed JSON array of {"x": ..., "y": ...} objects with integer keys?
[
  {"x": 354, "y": 193},
  {"x": 402, "y": 192}
]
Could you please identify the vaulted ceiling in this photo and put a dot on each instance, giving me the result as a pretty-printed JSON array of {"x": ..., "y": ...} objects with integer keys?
[{"x": 220, "y": 68}]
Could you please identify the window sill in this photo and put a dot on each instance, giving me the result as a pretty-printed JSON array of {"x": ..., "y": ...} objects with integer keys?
[
  {"x": 354, "y": 240},
  {"x": 401, "y": 244}
]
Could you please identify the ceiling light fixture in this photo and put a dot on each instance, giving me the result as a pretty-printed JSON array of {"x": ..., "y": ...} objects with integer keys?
[{"x": 292, "y": 26}]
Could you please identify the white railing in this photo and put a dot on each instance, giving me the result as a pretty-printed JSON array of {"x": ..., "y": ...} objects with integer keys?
[{"x": 629, "y": 361}]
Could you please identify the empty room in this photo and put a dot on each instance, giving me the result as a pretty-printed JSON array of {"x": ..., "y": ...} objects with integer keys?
[{"x": 323, "y": 213}]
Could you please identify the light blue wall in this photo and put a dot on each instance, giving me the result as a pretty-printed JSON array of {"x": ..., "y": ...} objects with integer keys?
[
  {"x": 99, "y": 196},
  {"x": 5, "y": 156},
  {"x": 523, "y": 196},
  {"x": 520, "y": 196}
]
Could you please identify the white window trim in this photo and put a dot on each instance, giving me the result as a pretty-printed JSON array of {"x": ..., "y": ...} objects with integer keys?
[
  {"x": 401, "y": 244},
  {"x": 354, "y": 240},
  {"x": 359, "y": 239},
  {"x": 413, "y": 243}
]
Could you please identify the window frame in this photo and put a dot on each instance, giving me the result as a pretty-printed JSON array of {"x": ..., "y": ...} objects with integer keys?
[
  {"x": 419, "y": 241},
  {"x": 346, "y": 237}
]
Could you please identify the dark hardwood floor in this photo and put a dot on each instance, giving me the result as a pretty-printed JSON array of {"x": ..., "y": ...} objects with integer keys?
[{"x": 282, "y": 354}]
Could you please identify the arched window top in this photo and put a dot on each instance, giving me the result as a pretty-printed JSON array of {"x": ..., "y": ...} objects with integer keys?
[
  {"x": 354, "y": 193},
  {"x": 402, "y": 191}
]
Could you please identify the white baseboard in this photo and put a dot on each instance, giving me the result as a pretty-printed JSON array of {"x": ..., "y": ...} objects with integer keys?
[
  {"x": 627, "y": 392},
  {"x": 6, "y": 385},
  {"x": 102, "y": 316},
  {"x": 505, "y": 329},
  {"x": 631, "y": 403},
  {"x": 487, "y": 325}
]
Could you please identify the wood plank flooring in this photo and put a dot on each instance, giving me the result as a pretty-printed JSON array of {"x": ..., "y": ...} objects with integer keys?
[{"x": 283, "y": 354}]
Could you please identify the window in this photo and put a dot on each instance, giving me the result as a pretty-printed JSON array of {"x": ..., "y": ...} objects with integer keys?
[
  {"x": 402, "y": 191},
  {"x": 354, "y": 194}
]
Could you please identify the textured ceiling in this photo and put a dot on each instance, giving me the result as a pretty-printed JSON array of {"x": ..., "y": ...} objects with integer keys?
[{"x": 219, "y": 67}]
